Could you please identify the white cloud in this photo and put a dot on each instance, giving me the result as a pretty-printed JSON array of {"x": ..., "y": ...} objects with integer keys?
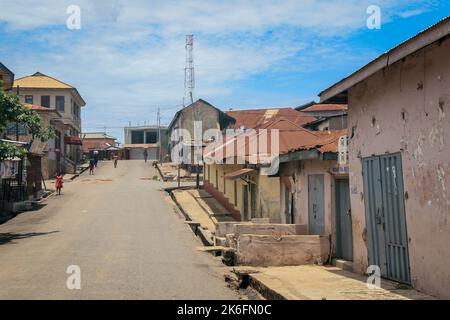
[{"x": 129, "y": 55}]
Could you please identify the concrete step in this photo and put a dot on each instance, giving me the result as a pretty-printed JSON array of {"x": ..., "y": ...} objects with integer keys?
[
  {"x": 343, "y": 264},
  {"x": 220, "y": 241}
]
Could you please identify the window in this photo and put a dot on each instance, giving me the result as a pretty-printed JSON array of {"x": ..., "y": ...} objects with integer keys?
[
  {"x": 137, "y": 137},
  {"x": 45, "y": 101},
  {"x": 76, "y": 110},
  {"x": 29, "y": 99},
  {"x": 60, "y": 103},
  {"x": 151, "y": 137},
  {"x": 16, "y": 128}
]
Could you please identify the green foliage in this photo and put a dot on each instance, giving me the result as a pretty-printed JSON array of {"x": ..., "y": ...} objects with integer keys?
[
  {"x": 12, "y": 111},
  {"x": 8, "y": 150}
]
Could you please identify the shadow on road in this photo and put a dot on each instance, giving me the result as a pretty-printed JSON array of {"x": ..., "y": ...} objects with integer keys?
[{"x": 9, "y": 237}]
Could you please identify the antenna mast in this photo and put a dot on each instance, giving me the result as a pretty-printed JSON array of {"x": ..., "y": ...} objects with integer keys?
[{"x": 189, "y": 76}]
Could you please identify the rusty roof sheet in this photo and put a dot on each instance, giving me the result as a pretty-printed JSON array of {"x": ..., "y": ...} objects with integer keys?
[
  {"x": 238, "y": 173},
  {"x": 326, "y": 107},
  {"x": 256, "y": 118},
  {"x": 288, "y": 141}
]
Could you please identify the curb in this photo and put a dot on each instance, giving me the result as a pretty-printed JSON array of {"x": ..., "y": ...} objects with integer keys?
[
  {"x": 164, "y": 179},
  {"x": 198, "y": 231},
  {"x": 248, "y": 280},
  {"x": 78, "y": 174},
  {"x": 265, "y": 291}
]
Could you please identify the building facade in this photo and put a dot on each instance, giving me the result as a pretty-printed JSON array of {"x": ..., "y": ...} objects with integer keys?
[
  {"x": 182, "y": 131},
  {"x": 42, "y": 90},
  {"x": 399, "y": 161},
  {"x": 152, "y": 139},
  {"x": 97, "y": 141}
]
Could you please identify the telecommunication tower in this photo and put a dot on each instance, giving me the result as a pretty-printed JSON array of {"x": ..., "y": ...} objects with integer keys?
[{"x": 189, "y": 76}]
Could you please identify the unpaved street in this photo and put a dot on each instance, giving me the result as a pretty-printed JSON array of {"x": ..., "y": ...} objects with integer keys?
[{"x": 119, "y": 228}]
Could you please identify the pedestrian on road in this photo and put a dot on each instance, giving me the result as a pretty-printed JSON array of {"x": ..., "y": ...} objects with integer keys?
[
  {"x": 145, "y": 155},
  {"x": 95, "y": 158},
  {"x": 91, "y": 166},
  {"x": 59, "y": 183},
  {"x": 116, "y": 158}
]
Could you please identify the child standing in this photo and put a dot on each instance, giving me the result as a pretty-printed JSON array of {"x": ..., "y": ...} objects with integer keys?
[{"x": 59, "y": 183}]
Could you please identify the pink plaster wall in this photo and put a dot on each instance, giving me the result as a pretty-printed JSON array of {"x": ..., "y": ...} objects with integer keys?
[{"x": 406, "y": 108}]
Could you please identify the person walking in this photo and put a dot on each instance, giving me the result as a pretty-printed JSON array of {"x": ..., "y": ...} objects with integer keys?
[
  {"x": 145, "y": 155},
  {"x": 91, "y": 166},
  {"x": 95, "y": 158},
  {"x": 59, "y": 183},
  {"x": 116, "y": 159}
]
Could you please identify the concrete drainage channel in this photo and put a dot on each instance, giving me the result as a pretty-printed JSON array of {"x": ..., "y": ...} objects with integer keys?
[
  {"x": 238, "y": 279},
  {"x": 206, "y": 239}
]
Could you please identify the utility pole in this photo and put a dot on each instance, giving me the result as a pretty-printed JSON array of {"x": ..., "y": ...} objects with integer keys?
[
  {"x": 159, "y": 135},
  {"x": 17, "y": 123},
  {"x": 21, "y": 163}
]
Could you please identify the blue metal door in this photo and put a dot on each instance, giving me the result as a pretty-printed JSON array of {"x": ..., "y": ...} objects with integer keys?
[
  {"x": 344, "y": 239},
  {"x": 316, "y": 204},
  {"x": 385, "y": 216}
]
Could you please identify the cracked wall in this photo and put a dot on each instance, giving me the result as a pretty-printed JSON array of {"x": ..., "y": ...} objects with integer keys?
[{"x": 405, "y": 108}]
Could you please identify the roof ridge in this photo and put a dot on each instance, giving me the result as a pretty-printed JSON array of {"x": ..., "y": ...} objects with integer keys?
[{"x": 40, "y": 74}]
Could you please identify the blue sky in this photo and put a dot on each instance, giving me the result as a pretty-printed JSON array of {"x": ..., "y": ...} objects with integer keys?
[{"x": 128, "y": 57}]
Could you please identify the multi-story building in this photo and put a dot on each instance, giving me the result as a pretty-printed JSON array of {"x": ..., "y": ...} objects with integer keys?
[
  {"x": 41, "y": 90},
  {"x": 150, "y": 138}
]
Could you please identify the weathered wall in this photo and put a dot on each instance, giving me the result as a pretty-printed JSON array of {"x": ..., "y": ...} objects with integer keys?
[
  {"x": 224, "y": 194},
  {"x": 405, "y": 108},
  {"x": 206, "y": 114},
  {"x": 270, "y": 229},
  {"x": 313, "y": 167},
  {"x": 268, "y": 197},
  {"x": 268, "y": 250},
  {"x": 69, "y": 99}
]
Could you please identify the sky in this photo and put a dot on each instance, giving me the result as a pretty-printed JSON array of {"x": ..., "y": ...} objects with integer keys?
[{"x": 128, "y": 56}]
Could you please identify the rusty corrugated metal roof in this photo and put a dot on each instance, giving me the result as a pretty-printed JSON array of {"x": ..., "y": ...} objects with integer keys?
[
  {"x": 256, "y": 118},
  {"x": 326, "y": 107},
  {"x": 288, "y": 141}
]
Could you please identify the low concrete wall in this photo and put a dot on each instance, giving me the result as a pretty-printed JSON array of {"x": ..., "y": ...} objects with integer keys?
[
  {"x": 270, "y": 229},
  {"x": 265, "y": 250},
  {"x": 226, "y": 227}
]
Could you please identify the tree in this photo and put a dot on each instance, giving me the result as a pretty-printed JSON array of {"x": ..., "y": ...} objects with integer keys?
[{"x": 12, "y": 111}]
